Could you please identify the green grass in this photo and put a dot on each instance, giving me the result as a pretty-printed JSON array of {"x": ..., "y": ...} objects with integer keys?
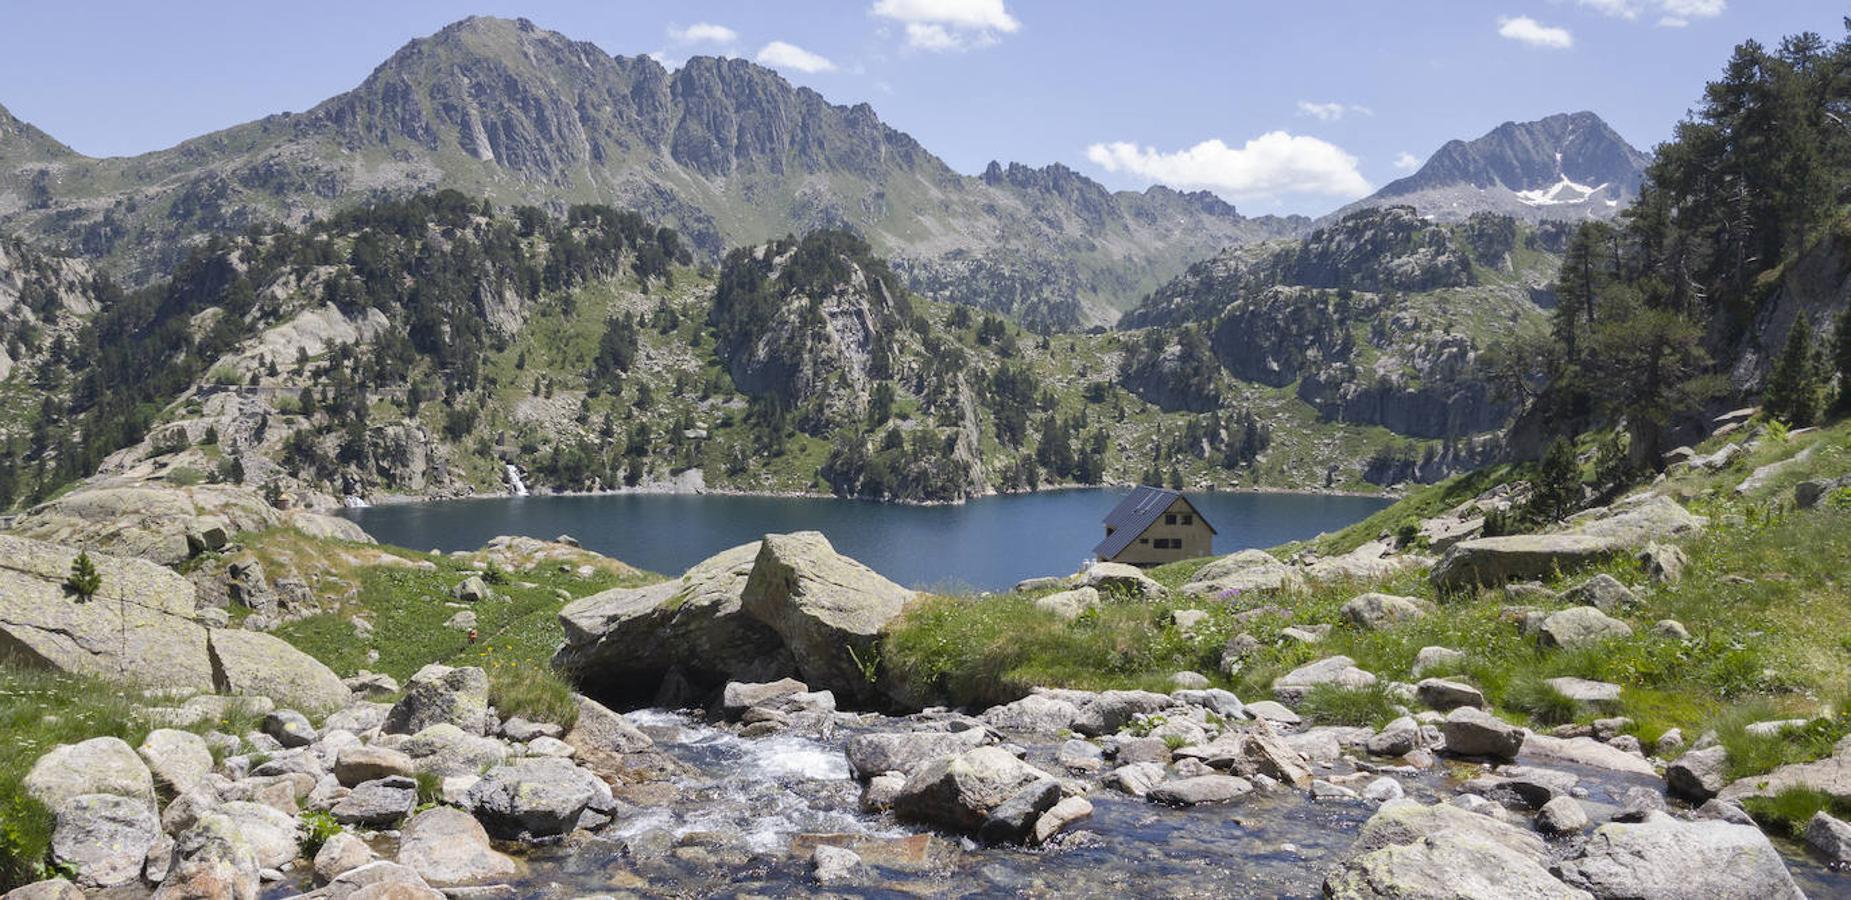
[
  {"x": 1329, "y": 704},
  {"x": 517, "y": 628},
  {"x": 1756, "y": 754},
  {"x": 1790, "y": 810},
  {"x": 1544, "y": 704}
]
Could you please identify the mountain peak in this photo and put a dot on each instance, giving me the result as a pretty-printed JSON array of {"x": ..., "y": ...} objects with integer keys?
[
  {"x": 1563, "y": 166},
  {"x": 22, "y": 143}
]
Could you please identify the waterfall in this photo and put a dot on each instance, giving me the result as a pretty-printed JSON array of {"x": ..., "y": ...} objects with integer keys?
[
  {"x": 354, "y": 501},
  {"x": 516, "y": 486}
]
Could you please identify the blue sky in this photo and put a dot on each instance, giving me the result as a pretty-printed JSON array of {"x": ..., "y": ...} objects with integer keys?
[{"x": 1279, "y": 107}]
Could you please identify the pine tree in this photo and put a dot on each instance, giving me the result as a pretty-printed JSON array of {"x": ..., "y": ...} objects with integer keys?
[
  {"x": 85, "y": 580},
  {"x": 1558, "y": 483},
  {"x": 1793, "y": 387}
]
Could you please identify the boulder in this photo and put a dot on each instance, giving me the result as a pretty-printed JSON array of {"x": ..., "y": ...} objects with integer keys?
[
  {"x": 447, "y": 846},
  {"x": 1033, "y": 714},
  {"x": 1371, "y": 561},
  {"x": 1581, "y": 690},
  {"x": 340, "y": 854},
  {"x": 696, "y": 623},
  {"x": 1663, "y": 563},
  {"x": 1831, "y": 837},
  {"x": 1059, "y": 817},
  {"x": 362, "y": 763},
  {"x": 102, "y": 765},
  {"x": 255, "y": 664},
  {"x": 1108, "y": 711},
  {"x": 290, "y": 728},
  {"x": 1436, "y": 657},
  {"x": 1136, "y": 779},
  {"x": 1578, "y": 627},
  {"x": 1409, "y": 821},
  {"x": 49, "y": 889},
  {"x": 1014, "y": 820},
  {"x": 371, "y": 685},
  {"x": 472, "y": 590},
  {"x": 270, "y": 833},
  {"x": 832, "y": 865},
  {"x": 1473, "y": 732},
  {"x": 1262, "y": 753},
  {"x": 1445, "y": 695},
  {"x": 178, "y": 760},
  {"x": 377, "y": 803},
  {"x": 1121, "y": 580},
  {"x": 1698, "y": 775},
  {"x": 1562, "y": 815},
  {"x": 1245, "y": 572},
  {"x": 379, "y": 880},
  {"x": 1220, "y": 702},
  {"x": 904, "y": 751},
  {"x": 1200, "y": 789},
  {"x": 1375, "y": 611},
  {"x": 1664, "y": 857},
  {"x": 1447, "y": 865},
  {"x": 446, "y": 750},
  {"x": 601, "y": 737},
  {"x": 1493, "y": 561},
  {"x": 1584, "y": 751},
  {"x": 829, "y": 610},
  {"x": 1068, "y": 605},
  {"x": 104, "y": 838},
  {"x": 536, "y": 798},
  {"x": 441, "y": 695},
  {"x": 1603, "y": 592},
  {"x": 960, "y": 792},
  {"x": 212, "y": 859},
  {"x": 739, "y": 696},
  {"x": 1398, "y": 738},
  {"x": 1340, "y": 671}
]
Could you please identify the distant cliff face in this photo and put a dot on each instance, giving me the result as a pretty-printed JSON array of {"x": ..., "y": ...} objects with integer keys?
[
  {"x": 1566, "y": 166},
  {"x": 726, "y": 151},
  {"x": 1375, "y": 319}
]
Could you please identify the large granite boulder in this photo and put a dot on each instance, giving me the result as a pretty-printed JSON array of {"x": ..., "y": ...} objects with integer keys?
[
  {"x": 255, "y": 664},
  {"x": 1338, "y": 671},
  {"x": 1447, "y": 865},
  {"x": 1666, "y": 857},
  {"x": 1494, "y": 561},
  {"x": 537, "y": 798},
  {"x": 442, "y": 695},
  {"x": 1121, "y": 580},
  {"x": 447, "y": 846},
  {"x": 446, "y": 751},
  {"x": 1245, "y": 572},
  {"x": 212, "y": 859},
  {"x": 104, "y": 838},
  {"x": 1038, "y": 713},
  {"x": 101, "y": 765},
  {"x": 696, "y": 624},
  {"x": 1470, "y": 731},
  {"x": 1578, "y": 627},
  {"x": 829, "y": 610},
  {"x": 179, "y": 760},
  {"x": 904, "y": 751},
  {"x": 1374, "y": 611},
  {"x": 963, "y": 792}
]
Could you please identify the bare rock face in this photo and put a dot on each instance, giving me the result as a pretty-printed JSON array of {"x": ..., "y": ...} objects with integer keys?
[
  {"x": 830, "y": 610},
  {"x": 162, "y": 524},
  {"x": 256, "y": 664}
]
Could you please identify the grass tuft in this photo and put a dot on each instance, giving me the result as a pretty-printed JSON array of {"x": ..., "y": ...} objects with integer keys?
[{"x": 1329, "y": 704}]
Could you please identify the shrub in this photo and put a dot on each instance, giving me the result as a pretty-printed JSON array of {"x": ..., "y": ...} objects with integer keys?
[
  {"x": 84, "y": 580},
  {"x": 185, "y": 476},
  {"x": 317, "y": 828}
]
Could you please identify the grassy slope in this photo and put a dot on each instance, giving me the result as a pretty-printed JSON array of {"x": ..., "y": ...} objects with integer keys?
[{"x": 1765, "y": 599}]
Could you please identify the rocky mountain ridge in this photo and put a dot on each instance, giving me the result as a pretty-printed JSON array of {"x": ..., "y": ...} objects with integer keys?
[
  {"x": 726, "y": 151},
  {"x": 1568, "y": 166}
]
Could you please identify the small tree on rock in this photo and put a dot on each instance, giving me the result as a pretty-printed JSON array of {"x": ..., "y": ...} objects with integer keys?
[{"x": 84, "y": 580}]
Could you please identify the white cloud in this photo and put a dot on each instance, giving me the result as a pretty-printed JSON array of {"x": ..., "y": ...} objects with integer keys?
[
  {"x": 1619, "y": 9},
  {"x": 703, "y": 33},
  {"x": 781, "y": 55},
  {"x": 941, "y": 25},
  {"x": 1675, "y": 13},
  {"x": 1331, "y": 112},
  {"x": 1524, "y": 29},
  {"x": 1407, "y": 162},
  {"x": 1678, "y": 13},
  {"x": 1272, "y": 164}
]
